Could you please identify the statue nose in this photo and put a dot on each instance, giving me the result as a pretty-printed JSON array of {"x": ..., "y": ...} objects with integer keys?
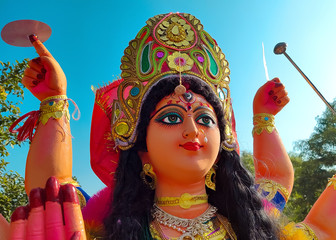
[{"x": 190, "y": 130}]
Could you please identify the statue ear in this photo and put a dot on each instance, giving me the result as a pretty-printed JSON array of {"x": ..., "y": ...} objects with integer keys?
[{"x": 144, "y": 157}]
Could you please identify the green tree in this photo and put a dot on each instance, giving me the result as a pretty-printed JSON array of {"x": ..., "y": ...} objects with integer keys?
[
  {"x": 12, "y": 192},
  {"x": 295, "y": 209},
  {"x": 247, "y": 160},
  {"x": 319, "y": 162}
]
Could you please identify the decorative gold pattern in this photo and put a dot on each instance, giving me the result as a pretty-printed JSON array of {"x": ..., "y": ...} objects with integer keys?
[
  {"x": 210, "y": 178},
  {"x": 299, "y": 231},
  {"x": 263, "y": 121},
  {"x": 175, "y": 32},
  {"x": 188, "y": 227},
  {"x": 184, "y": 201},
  {"x": 332, "y": 182},
  {"x": 219, "y": 228},
  {"x": 272, "y": 187},
  {"x": 180, "y": 62},
  {"x": 56, "y": 97},
  {"x": 54, "y": 109},
  {"x": 168, "y": 44},
  {"x": 147, "y": 171}
]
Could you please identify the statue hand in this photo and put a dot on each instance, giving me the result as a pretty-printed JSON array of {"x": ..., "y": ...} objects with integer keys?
[
  {"x": 270, "y": 98},
  {"x": 44, "y": 77},
  {"x": 52, "y": 213}
]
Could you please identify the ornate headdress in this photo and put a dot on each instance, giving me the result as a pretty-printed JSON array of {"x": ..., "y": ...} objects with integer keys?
[{"x": 173, "y": 43}]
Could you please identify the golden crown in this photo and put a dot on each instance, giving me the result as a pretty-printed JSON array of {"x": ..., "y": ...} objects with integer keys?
[{"x": 171, "y": 43}]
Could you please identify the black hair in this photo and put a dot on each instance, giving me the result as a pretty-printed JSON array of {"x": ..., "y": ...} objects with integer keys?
[{"x": 235, "y": 196}]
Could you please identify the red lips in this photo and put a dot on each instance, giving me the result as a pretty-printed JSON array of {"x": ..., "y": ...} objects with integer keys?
[{"x": 191, "y": 146}]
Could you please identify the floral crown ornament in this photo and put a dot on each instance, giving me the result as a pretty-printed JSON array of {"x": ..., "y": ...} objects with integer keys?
[{"x": 170, "y": 44}]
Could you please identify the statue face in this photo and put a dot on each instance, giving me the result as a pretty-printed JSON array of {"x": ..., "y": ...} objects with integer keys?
[{"x": 183, "y": 138}]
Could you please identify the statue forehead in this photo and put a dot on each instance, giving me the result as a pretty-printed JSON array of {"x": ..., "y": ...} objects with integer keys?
[{"x": 189, "y": 101}]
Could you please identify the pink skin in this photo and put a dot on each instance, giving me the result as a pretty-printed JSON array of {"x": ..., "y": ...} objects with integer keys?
[
  {"x": 18, "y": 230},
  {"x": 48, "y": 224},
  {"x": 182, "y": 157},
  {"x": 322, "y": 216},
  {"x": 4, "y": 228},
  {"x": 35, "y": 223},
  {"x": 18, "y": 224},
  {"x": 265, "y": 101},
  {"x": 72, "y": 214},
  {"x": 271, "y": 158},
  {"x": 53, "y": 211}
]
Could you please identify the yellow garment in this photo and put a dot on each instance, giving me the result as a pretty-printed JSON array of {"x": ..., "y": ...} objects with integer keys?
[{"x": 298, "y": 231}]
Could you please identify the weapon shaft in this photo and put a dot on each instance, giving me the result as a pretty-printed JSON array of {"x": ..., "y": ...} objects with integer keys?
[{"x": 310, "y": 83}]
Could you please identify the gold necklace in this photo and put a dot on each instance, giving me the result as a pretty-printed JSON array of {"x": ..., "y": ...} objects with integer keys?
[
  {"x": 218, "y": 228},
  {"x": 185, "y": 201},
  {"x": 188, "y": 227}
]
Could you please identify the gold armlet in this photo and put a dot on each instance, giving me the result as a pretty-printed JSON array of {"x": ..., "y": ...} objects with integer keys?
[
  {"x": 301, "y": 230},
  {"x": 272, "y": 187},
  {"x": 332, "y": 182},
  {"x": 54, "y": 107},
  {"x": 184, "y": 201},
  {"x": 263, "y": 121}
]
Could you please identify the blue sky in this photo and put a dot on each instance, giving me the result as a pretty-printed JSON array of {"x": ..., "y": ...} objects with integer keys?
[{"x": 89, "y": 38}]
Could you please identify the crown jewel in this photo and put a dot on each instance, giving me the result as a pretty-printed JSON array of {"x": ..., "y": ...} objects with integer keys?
[{"x": 171, "y": 43}]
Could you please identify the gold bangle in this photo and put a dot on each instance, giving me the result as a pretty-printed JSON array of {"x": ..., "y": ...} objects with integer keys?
[
  {"x": 73, "y": 182},
  {"x": 56, "y": 97},
  {"x": 185, "y": 201},
  {"x": 298, "y": 231},
  {"x": 307, "y": 230},
  {"x": 332, "y": 182},
  {"x": 263, "y": 121},
  {"x": 54, "y": 110}
]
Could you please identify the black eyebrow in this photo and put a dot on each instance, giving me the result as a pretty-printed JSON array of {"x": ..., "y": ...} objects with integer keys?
[
  {"x": 202, "y": 107},
  {"x": 176, "y": 105}
]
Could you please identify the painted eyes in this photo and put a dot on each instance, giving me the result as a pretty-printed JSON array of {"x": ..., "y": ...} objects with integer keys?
[
  {"x": 173, "y": 118},
  {"x": 170, "y": 118},
  {"x": 205, "y": 120}
]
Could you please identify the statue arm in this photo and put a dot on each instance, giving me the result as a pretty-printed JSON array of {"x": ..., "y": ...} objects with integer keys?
[
  {"x": 322, "y": 217},
  {"x": 270, "y": 156},
  {"x": 50, "y": 153}
]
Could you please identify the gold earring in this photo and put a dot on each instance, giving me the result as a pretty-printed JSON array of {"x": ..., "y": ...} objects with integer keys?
[
  {"x": 210, "y": 178},
  {"x": 148, "y": 175}
]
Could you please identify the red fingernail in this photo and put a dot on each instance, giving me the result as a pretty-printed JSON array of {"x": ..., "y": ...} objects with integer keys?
[
  {"x": 76, "y": 236},
  {"x": 274, "y": 98},
  {"x": 37, "y": 60},
  {"x": 40, "y": 76},
  {"x": 52, "y": 190},
  {"x": 35, "y": 82},
  {"x": 271, "y": 92},
  {"x": 279, "y": 101},
  {"x": 43, "y": 70},
  {"x": 278, "y": 84},
  {"x": 69, "y": 193},
  {"x": 21, "y": 213},
  {"x": 33, "y": 38},
  {"x": 36, "y": 198}
]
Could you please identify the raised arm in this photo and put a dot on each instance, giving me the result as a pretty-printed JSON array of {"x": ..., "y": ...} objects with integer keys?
[
  {"x": 322, "y": 217},
  {"x": 50, "y": 153},
  {"x": 270, "y": 157}
]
